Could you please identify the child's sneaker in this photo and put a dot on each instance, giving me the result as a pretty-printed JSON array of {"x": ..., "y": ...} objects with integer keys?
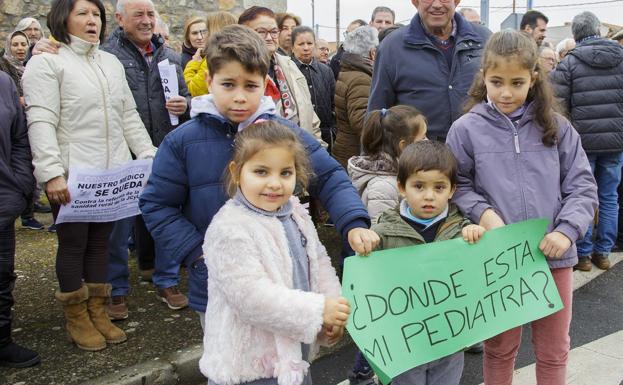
[
  {"x": 362, "y": 373},
  {"x": 32, "y": 223}
]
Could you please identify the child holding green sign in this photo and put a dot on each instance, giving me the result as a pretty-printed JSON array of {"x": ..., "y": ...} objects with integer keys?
[
  {"x": 427, "y": 177},
  {"x": 518, "y": 159}
]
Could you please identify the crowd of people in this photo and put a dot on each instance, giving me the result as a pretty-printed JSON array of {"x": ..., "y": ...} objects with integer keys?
[{"x": 406, "y": 135}]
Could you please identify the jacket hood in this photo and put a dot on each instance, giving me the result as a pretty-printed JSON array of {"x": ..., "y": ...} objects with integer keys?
[
  {"x": 204, "y": 104},
  {"x": 354, "y": 62},
  {"x": 363, "y": 169},
  {"x": 599, "y": 53}
]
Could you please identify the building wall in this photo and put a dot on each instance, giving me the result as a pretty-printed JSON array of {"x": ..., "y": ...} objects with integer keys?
[{"x": 173, "y": 12}]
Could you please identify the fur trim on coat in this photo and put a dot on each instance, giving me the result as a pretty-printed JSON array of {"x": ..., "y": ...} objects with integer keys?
[{"x": 255, "y": 320}]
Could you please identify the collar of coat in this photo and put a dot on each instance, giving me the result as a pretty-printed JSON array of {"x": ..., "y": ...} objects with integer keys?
[
  {"x": 393, "y": 225},
  {"x": 416, "y": 35}
]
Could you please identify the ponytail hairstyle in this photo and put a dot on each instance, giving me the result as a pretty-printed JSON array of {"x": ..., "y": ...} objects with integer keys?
[
  {"x": 384, "y": 129},
  {"x": 517, "y": 46}
]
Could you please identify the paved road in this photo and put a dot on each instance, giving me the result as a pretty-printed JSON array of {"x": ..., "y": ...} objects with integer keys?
[{"x": 597, "y": 315}]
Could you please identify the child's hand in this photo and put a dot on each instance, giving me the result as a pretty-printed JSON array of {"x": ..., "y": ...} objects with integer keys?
[
  {"x": 554, "y": 244},
  {"x": 333, "y": 333},
  {"x": 336, "y": 311},
  {"x": 363, "y": 241},
  {"x": 472, "y": 233}
]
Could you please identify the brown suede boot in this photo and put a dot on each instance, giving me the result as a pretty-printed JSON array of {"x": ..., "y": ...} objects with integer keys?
[
  {"x": 78, "y": 324},
  {"x": 98, "y": 294}
]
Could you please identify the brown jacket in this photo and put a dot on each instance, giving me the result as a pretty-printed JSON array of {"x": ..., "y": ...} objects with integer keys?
[{"x": 351, "y": 101}]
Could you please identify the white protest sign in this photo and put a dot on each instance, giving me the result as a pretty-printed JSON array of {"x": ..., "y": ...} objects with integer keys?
[
  {"x": 168, "y": 76},
  {"x": 105, "y": 196}
]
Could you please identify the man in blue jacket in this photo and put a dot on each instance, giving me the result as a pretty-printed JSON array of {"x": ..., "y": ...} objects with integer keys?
[{"x": 429, "y": 64}]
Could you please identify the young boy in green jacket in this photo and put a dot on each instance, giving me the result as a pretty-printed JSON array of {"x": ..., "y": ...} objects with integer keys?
[{"x": 427, "y": 177}]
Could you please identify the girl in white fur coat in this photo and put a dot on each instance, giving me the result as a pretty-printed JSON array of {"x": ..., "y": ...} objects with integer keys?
[{"x": 273, "y": 291}]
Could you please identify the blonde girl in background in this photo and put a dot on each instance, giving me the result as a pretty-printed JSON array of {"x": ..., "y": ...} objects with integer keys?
[{"x": 195, "y": 70}]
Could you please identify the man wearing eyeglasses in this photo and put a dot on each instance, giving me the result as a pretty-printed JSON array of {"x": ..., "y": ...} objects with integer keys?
[
  {"x": 429, "y": 64},
  {"x": 322, "y": 51}
]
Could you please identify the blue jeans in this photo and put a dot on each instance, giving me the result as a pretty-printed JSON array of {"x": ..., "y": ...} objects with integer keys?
[
  {"x": 166, "y": 272},
  {"x": 118, "y": 271},
  {"x": 607, "y": 171}
]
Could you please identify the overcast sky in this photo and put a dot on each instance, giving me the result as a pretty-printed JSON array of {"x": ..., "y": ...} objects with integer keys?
[{"x": 558, "y": 11}]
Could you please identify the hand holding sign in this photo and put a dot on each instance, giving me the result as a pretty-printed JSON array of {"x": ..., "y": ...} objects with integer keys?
[
  {"x": 168, "y": 76},
  {"x": 415, "y": 304},
  {"x": 336, "y": 311},
  {"x": 555, "y": 244}
]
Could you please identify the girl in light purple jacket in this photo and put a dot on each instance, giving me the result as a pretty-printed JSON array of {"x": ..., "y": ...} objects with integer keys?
[{"x": 519, "y": 159}]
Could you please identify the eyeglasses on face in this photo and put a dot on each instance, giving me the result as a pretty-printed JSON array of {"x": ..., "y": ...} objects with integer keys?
[{"x": 274, "y": 33}]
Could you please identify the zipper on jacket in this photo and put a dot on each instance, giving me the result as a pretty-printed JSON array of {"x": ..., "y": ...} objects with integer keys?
[
  {"x": 517, "y": 152},
  {"x": 99, "y": 80}
]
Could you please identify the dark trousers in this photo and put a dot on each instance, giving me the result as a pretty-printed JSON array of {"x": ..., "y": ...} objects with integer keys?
[
  {"x": 143, "y": 245},
  {"x": 82, "y": 253},
  {"x": 7, "y": 280},
  {"x": 29, "y": 211}
]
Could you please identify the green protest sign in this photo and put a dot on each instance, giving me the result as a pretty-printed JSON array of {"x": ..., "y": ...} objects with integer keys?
[{"x": 412, "y": 305}]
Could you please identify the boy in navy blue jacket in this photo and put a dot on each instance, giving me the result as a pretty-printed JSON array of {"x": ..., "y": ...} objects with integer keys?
[{"x": 185, "y": 188}]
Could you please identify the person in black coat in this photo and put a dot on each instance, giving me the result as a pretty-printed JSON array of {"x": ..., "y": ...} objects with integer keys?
[
  {"x": 16, "y": 187},
  {"x": 585, "y": 82},
  {"x": 319, "y": 78}
]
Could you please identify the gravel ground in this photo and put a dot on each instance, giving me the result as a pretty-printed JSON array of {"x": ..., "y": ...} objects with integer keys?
[{"x": 153, "y": 330}]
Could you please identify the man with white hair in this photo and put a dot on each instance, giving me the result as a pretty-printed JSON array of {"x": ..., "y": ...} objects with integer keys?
[
  {"x": 31, "y": 27},
  {"x": 584, "y": 81},
  {"x": 470, "y": 15},
  {"x": 140, "y": 50},
  {"x": 322, "y": 51},
  {"x": 563, "y": 48},
  {"x": 429, "y": 64}
]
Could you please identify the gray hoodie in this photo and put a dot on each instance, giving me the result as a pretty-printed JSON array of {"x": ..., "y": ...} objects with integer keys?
[
  {"x": 507, "y": 168},
  {"x": 375, "y": 180},
  {"x": 205, "y": 104}
]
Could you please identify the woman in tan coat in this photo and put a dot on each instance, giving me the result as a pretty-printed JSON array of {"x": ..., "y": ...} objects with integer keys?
[{"x": 352, "y": 90}]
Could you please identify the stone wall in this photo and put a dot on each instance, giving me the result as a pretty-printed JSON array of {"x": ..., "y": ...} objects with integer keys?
[{"x": 173, "y": 12}]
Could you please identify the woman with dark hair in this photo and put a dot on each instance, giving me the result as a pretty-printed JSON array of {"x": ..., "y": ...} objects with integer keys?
[
  {"x": 195, "y": 37},
  {"x": 16, "y": 185},
  {"x": 16, "y": 50},
  {"x": 287, "y": 86},
  {"x": 81, "y": 113}
]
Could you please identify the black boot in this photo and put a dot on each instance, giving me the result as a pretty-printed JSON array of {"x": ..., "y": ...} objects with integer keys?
[{"x": 13, "y": 355}]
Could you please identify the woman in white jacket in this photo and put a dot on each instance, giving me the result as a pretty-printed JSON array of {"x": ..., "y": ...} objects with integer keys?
[
  {"x": 275, "y": 293},
  {"x": 81, "y": 114}
]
